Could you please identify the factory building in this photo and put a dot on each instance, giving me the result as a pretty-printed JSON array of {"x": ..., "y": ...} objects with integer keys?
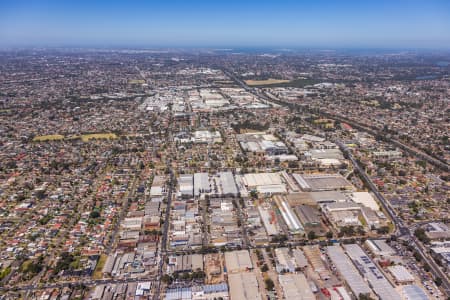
[
  {"x": 201, "y": 184},
  {"x": 186, "y": 185},
  {"x": 296, "y": 287},
  {"x": 348, "y": 271},
  {"x": 244, "y": 286},
  {"x": 380, "y": 285}
]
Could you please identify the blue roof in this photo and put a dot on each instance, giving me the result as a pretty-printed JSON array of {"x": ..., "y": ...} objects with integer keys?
[
  {"x": 178, "y": 293},
  {"x": 414, "y": 292},
  {"x": 215, "y": 288}
]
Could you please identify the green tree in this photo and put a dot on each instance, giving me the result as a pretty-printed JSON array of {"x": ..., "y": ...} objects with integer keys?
[
  {"x": 269, "y": 284},
  {"x": 264, "y": 268},
  {"x": 311, "y": 235}
]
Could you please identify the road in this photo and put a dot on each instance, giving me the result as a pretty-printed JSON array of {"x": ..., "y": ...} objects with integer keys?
[
  {"x": 122, "y": 214},
  {"x": 374, "y": 131},
  {"x": 401, "y": 229},
  {"x": 87, "y": 282},
  {"x": 165, "y": 232},
  {"x": 246, "y": 241}
]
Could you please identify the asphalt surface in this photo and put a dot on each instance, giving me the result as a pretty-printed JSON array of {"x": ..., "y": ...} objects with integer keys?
[{"x": 401, "y": 229}]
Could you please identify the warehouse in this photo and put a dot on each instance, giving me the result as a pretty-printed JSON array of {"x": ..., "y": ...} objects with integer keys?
[
  {"x": 260, "y": 142},
  {"x": 186, "y": 185},
  {"x": 316, "y": 198},
  {"x": 348, "y": 271},
  {"x": 185, "y": 263},
  {"x": 143, "y": 287},
  {"x": 401, "y": 274},
  {"x": 290, "y": 182},
  {"x": 210, "y": 291},
  {"x": 264, "y": 183},
  {"x": 228, "y": 185},
  {"x": 300, "y": 259},
  {"x": 314, "y": 256},
  {"x": 179, "y": 294},
  {"x": 413, "y": 292},
  {"x": 244, "y": 286},
  {"x": 295, "y": 286},
  {"x": 380, "y": 248},
  {"x": 322, "y": 182},
  {"x": 269, "y": 219},
  {"x": 201, "y": 184},
  {"x": 437, "y": 231},
  {"x": 206, "y": 136},
  {"x": 392, "y": 154},
  {"x": 109, "y": 264},
  {"x": 132, "y": 223},
  {"x": 254, "y": 180},
  {"x": 237, "y": 261},
  {"x": 289, "y": 217},
  {"x": 364, "y": 198},
  {"x": 379, "y": 283},
  {"x": 284, "y": 261},
  {"x": 319, "y": 154},
  {"x": 308, "y": 215},
  {"x": 157, "y": 189}
]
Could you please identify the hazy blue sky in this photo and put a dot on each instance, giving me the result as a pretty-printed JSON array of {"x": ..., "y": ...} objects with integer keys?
[{"x": 214, "y": 23}]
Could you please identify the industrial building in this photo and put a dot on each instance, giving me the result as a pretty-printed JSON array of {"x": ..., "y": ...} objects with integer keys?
[
  {"x": 238, "y": 261},
  {"x": 348, "y": 271},
  {"x": 201, "y": 184},
  {"x": 186, "y": 185},
  {"x": 269, "y": 219},
  {"x": 264, "y": 183},
  {"x": 308, "y": 215},
  {"x": 389, "y": 155},
  {"x": 244, "y": 286},
  {"x": 380, "y": 248},
  {"x": 224, "y": 227},
  {"x": 285, "y": 262},
  {"x": 401, "y": 274},
  {"x": 185, "y": 263},
  {"x": 296, "y": 287},
  {"x": 380, "y": 285},
  {"x": 227, "y": 185},
  {"x": 260, "y": 142},
  {"x": 322, "y": 182},
  {"x": 314, "y": 257},
  {"x": 364, "y": 198},
  {"x": 206, "y": 136},
  {"x": 413, "y": 292},
  {"x": 437, "y": 231},
  {"x": 316, "y": 198},
  {"x": 158, "y": 186},
  {"x": 289, "y": 217},
  {"x": 300, "y": 259}
]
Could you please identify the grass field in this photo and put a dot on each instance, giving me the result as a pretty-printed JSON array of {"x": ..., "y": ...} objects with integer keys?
[
  {"x": 84, "y": 137},
  {"x": 98, "y": 269},
  {"x": 297, "y": 83},
  {"x": 136, "y": 81},
  {"x": 265, "y": 82},
  {"x": 52, "y": 137},
  {"x": 87, "y": 137}
]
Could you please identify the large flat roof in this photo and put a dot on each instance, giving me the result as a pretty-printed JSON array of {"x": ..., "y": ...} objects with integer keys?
[
  {"x": 238, "y": 261},
  {"x": 295, "y": 286},
  {"x": 346, "y": 268},
  {"x": 244, "y": 286},
  {"x": 377, "y": 280}
]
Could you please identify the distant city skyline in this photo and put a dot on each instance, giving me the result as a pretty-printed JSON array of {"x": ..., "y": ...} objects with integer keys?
[{"x": 328, "y": 24}]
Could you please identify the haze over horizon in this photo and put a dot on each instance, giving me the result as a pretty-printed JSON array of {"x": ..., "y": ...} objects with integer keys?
[{"x": 334, "y": 24}]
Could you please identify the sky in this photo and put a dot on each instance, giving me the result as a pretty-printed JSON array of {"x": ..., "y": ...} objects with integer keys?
[{"x": 230, "y": 23}]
